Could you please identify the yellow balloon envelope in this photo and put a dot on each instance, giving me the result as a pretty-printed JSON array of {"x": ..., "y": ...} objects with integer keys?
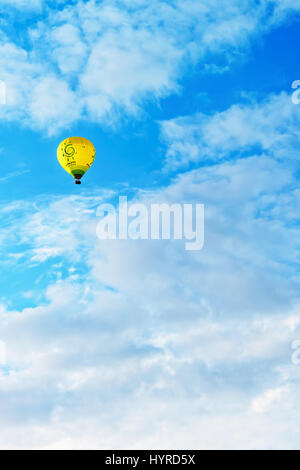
[{"x": 76, "y": 155}]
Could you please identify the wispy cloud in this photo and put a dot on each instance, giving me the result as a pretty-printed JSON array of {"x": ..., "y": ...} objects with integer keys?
[
  {"x": 270, "y": 126},
  {"x": 13, "y": 174}
]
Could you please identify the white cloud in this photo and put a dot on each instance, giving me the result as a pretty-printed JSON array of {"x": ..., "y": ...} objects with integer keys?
[
  {"x": 109, "y": 58},
  {"x": 263, "y": 403},
  {"x": 53, "y": 104},
  {"x": 121, "y": 71},
  {"x": 68, "y": 48},
  {"x": 270, "y": 126}
]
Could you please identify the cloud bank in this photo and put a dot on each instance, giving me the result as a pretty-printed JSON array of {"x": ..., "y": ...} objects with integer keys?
[{"x": 139, "y": 344}]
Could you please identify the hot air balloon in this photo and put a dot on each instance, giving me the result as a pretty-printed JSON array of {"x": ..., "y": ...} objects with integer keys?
[{"x": 76, "y": 155}]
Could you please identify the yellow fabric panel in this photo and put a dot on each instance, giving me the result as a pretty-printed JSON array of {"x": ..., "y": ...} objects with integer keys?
[{"x": 76, "y": 154}]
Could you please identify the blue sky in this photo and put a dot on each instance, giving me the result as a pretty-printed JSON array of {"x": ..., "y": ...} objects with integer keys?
[{"x": 141, "y": 344}]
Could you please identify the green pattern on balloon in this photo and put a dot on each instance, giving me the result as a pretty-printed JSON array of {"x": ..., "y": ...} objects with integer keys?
[{"x": 69, "y": 150}]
